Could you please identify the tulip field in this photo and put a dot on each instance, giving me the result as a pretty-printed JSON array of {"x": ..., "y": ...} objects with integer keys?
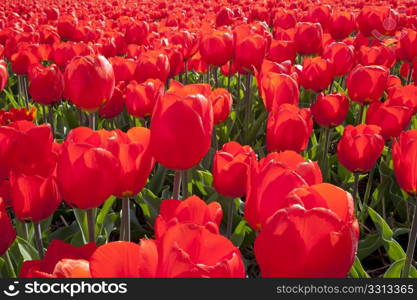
[{"x": 230, "y": 138}]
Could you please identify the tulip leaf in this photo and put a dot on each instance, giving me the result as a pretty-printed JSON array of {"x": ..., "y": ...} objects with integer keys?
[
  {"x": 392, "y": 247},
  {"x": 368, "y": 245},
  {"x": 240, "y": 232},
  {"x": 27, "y": 251},
  {"x": 81, "y": 217},
  {"x": 394, "y": 271},
  {"x": 157, "y": 180},
  {"x": 149, "y": 203},
  {"x": 102, "y": 215},
  {"x": 357, "y": 270}
]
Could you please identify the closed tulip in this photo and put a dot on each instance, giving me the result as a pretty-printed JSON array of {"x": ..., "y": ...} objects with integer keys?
[
  {"x": 142, "y": 97},
  {"x": 360, "y": 147},
  {"x": 34, "y": 198},
  {"x": 222, "y": 102},
  {"x": 61, "y": 260},
  {"x": 392, "y": 119},
  {"x": 282, "y": 50},
  {"x": 366, "y": 84},
  {"x": 317, "y": 73},
  {"x": 377, "y": 55},
  {"x": 341, "y": 24},
  {"x": 403, "y": 155},
  {"x": 181, "y": 130},
  {"x": 314, "y": 241},
  {"x": 330, "y": 110},
  {"x": 288, "y": 128},
  {"x": 89, "y": 82},
  {"x": 7, "y": 230},
  {"x": 46, "y": 84},
  {"x": 136, "y": 161},
  {"x": 115, "y": 105},
  {"x": 308, "y": 38},
  {"x": 124, "y": 68},
  {"x": 152, "y": 65},
  {"x": 341, "y": 56},
  {"x": 191, "y": 210},
  {"x": 208, "y": 255},
  {"x": 230, "y": 169},
  {"x": 4, "y": 76},
  {"x": 271, "y": 180},
  {"x": 249, "y": 52},
  {"x": 86, "y": 175},
  {"x": 372, "y": 20},
  {"x": 216, "y": 48},
  {"x": 277, "y": 89},
  {"x": 404, "y": 96},
  {"x": 407, "y": 45}
]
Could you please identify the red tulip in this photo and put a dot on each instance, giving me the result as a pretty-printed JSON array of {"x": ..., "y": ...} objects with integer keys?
[
  {"x": 216, "y": 48},
  {"x": 46, "y": 84},
  {"x": 142, "y": 97},
  {"x": 360, "y": 147},
  {"x": 404, "y": 96},
  {"x": 230, "y": 169},
  {"x": 86, "y": 175},
  {"x": 315, "y": 242},
  {"x": 366, "y": 84},
  {"x": 308, "y": 38},
  {"x": 34, "y": 198},
  {"x": 191, "y": 210},
  {"x": 250, "y": 51},
  {"x": 4, "y": 76},
  {"x": 89, "y": 82},
  {"x": 272, "y": 179},
  {"x": 185, "y": 250},
  {"x": 330, "y": 110},
  {"x": 317, "y": 73},
  {"x": 181, "y": 129},
  {"x": 136, "y": 161},
  {"x": 115, "y": 105},
  {"x": 403, "y": 155},
  {"x": 407, "y": 45},
  {"x": 341, "y": 24},
  {"x": 281, "y": 50},
  {"x": 7, "y": 230},
  {"x": 152, "y": 65},
  {"x": 124, "y": 68},
  {"x": 378, "y": 55},
  {"x": 221, "y": 101},
  {"x": 61, "y": 260},
  {"x": 372, "y": 21},
  {"x": 285, "y": 119},
  {"x": 277, "y": 89},
  {"x": 341, "y": 56},
  {"x": 392, "y": 119}
]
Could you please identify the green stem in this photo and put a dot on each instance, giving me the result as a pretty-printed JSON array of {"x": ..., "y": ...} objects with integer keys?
[
  {"x": 355, "y": 188},
  {"x": 230, "y": 218},
  {"x": 364, "y": 211},
  {"x": 91, "y": 225},
  {"x": 185, "y": 72},
  {"x": 38, "y": 239},
  {"x": 184, "y": 184},
  {"x": 177, "y": 185},
  {"x": 325, "y": 151},
  {"x": 126, "y": 219},
  {"x": 229, "y": 76},
  {"x": 410, "y": 72},
  {"x": 411, "y": 246},
  {"x": 248, "y": 105},
  {"x": 361, "y": 114}
]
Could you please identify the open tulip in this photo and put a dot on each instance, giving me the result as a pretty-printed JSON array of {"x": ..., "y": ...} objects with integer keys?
[
  {"x": 191, "y": 210},
  {"x": 272, "y": 179},
  {"x": 230, "y": 169},
  {"x": 61, "y": 260},
  {"x": 185, "y": 250}
]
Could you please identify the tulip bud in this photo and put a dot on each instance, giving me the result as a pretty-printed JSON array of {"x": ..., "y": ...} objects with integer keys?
[{"x": 330, "y": 110}]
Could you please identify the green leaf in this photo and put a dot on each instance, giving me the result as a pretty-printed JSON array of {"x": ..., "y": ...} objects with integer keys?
[
  {"x": 357, "y": 270},
  {"x": 238, "y": 235},
  {"x": 102, "y": 215},
  {"x": 392, "y": 247},
  {"x": 394, "y": 271},
  {"x": 27, "y": 251},
  {"x": 81, "y": 217}
]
